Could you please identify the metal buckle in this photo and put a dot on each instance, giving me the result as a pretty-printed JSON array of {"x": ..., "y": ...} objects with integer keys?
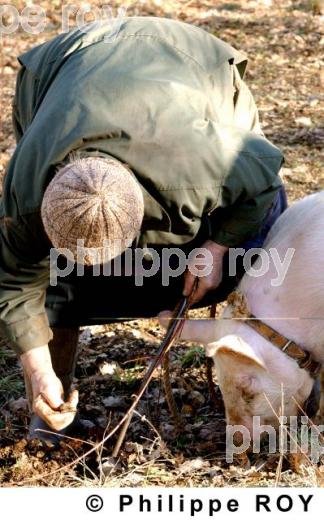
[
  {"x": 286, "y": 346},
  {"x": 307, "y": 362}
]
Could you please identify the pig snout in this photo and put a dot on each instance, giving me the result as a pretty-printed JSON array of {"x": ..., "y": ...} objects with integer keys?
[{"x": 202, "y": 331}]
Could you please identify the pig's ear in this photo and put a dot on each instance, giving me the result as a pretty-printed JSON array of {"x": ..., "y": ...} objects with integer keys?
[{"x": 235, "y": 349}]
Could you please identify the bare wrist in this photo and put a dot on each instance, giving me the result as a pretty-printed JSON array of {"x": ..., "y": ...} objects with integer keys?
[
  {"x": 37, "y": 360},
  {"x": 216, "y": 248}
]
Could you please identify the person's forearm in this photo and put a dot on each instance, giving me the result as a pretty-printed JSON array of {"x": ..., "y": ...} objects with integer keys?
[
  {"x": 37, "y": 360},
  {"x": 215, "y": 248}
]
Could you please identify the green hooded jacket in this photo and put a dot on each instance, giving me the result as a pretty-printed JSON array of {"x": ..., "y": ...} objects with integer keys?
[{"x": 162, "y": 96}]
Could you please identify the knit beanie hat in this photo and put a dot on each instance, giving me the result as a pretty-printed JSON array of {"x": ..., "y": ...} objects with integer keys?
[{"x": 92, "y": 209}]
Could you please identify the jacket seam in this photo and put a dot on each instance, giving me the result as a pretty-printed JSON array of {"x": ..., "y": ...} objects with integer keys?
[{"x": 139, "y": 36}]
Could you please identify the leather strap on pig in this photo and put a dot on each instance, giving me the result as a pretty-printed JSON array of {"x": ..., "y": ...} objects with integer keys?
[{"x": 304, "y": 359}]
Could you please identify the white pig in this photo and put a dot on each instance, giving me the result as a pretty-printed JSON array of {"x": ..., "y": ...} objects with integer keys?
[{"x": 248, "y": 366}]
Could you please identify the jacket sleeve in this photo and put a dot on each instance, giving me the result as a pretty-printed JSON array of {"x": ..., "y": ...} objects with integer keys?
[
  {"x": 233, "y": 225},
  {"x": 249, "y": 186},
  {"x": 23, "y": 283},
  {"x": 24, "y": 101},
  {"x": 252, "y": 182}
]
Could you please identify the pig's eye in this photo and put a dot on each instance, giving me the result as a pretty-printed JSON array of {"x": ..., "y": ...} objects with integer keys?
[
  {"x": 248, "y": 398},
  {"x": 248, "y": 394}
]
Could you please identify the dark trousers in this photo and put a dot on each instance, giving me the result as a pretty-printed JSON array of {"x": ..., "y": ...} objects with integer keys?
[{"x": 90, "y": 300}]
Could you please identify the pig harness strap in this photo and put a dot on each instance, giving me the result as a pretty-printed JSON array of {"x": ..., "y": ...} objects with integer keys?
[{"x": 289, "y": 347}]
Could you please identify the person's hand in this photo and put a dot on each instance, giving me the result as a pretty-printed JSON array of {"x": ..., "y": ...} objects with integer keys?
[
  {"x": 48, "y": 401},
  {"x": 198, "y": 286},
  {"x": 47, "y": 391}
]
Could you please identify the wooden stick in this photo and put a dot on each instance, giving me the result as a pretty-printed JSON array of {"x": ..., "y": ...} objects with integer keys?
[
  {"x": 173, "y": 331},
  {"x": 173, "y": 409}
]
